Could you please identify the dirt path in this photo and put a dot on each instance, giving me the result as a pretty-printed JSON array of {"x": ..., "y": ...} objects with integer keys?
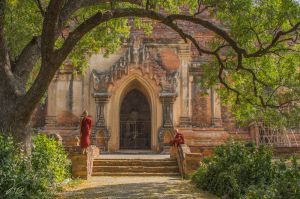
[{"x": 135, "y": 187}]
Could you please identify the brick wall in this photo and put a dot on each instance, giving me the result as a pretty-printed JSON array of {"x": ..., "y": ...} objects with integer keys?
[{"x": 201, "y": 115}]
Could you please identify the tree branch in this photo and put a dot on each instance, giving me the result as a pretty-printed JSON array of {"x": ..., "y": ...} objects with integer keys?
[
  {"x": 25, "y": 64},
  {"x": 27, "y": 59},
  {"x": 274, "y": 41},
  {"x": 202, "y": 7},
  {"x": 7, "y": 78},
  {"x": 40, "y": 7},
  {"x": 220, "y": 74},
  {"x": 99, "y": 17},
  {"x": 50, "y": 28},
  {"x": 257, "y": 38},
  {"x": 51, "y": 63},
  {"x": 52, "y": 59},
  {"x": 210, "y": 26}
]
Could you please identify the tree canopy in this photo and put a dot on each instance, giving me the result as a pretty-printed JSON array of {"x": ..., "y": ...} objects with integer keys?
[{"x": 254, "y": 55}]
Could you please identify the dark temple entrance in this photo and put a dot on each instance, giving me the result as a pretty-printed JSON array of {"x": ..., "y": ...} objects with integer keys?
[{"x": 135, "y": 121}]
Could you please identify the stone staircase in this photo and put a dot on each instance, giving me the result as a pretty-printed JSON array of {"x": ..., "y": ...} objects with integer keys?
[{"x": 135, "y": 167}]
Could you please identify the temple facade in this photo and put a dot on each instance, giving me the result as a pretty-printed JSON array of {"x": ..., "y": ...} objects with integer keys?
[{"x": 140, "y": 94}]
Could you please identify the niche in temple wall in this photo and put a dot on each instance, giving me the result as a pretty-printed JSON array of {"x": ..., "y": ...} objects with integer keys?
[
  {"x": 201, "y": 111},
  {"x": 68, "y": 98},
  {"x": 201, "y": 98}
]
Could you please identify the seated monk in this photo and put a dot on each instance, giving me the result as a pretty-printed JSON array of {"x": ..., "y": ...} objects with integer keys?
[
  {"x": 178, "y": 139},
  {"x": 85, "y": 129}
]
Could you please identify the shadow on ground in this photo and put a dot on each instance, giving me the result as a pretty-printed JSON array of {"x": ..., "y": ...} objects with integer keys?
[{"x": 171, "y": 189}]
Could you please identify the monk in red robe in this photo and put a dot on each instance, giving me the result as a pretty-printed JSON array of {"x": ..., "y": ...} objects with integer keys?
[
  {"x": 178, "y": 139},
  {"x": 85, "y": 129}
]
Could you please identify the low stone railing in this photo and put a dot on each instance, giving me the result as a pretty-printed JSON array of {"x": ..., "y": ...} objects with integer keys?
[
  {"x": 188, "y": 162},
  {"x": 82, "y": 164}
]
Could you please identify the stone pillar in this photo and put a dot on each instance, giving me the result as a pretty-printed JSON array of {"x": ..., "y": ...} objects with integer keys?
[
  {"x": 165, "y": 133},
  {"x": 51, "y": 104},
  {"x": 216, "y": 119},
  {"x": 191, "y": 79},
  {"x": 101, "y": 100},
  {"x": 184, "y": 55},
  {"x": 167, "y": 100},
  {"x": 77, "y": 95}
]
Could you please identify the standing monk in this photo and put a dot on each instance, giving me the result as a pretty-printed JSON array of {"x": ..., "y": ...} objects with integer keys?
[{"x": 85, "y": 129}]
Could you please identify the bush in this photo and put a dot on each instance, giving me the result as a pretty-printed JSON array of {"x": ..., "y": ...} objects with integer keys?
[
  {"x": 28, "y": 177},
  {"x": 49, "y": 158},
  {"x": 17, "y": 179},
  {"x": 285, "y": 184},
  {"x": 234, "y": 168}
]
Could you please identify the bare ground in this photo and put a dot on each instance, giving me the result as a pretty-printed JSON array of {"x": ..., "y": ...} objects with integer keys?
[{"x": 135, "y": 187}]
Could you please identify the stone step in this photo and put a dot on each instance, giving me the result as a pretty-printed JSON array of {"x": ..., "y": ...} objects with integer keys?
[
  {"x": 135, "y": 152},
  {"x": 134, "y": 174},
  {"x": 136, "y": 169},
  {"x": 137, "y": 159},
  {"x": 135, "y": 165},
  {"x": 134, "y": 162}
]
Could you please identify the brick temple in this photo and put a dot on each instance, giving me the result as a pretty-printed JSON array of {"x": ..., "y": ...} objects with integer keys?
[{"x": 140, "y": 94}]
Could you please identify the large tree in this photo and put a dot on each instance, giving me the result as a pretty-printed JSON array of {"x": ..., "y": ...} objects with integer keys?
[{"x": 254, "y": 56}]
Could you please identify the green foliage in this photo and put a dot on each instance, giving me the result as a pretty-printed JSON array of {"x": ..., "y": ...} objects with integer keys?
[
  {"x": 253, "y": 24},
  {"x": 105, "y": 38},
  {"x": 29, "y": 177},
  {"x": 17, "y": 178},
  {"x": 239, "y": 170},
  {"x": 23, "y": 20},
  {"x": 233, "y": 168},
  {"x": 49, "y": 158},
  {"x": 285, "y": 184}
]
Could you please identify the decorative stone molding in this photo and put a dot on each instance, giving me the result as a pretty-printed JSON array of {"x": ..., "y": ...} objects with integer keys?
[
  {"x": 136, "y": 80},
  {"x": 101, "y": 99},
  {"x": 103, "y": 79},
  {"x": 100, "y": 127},
  {"x": 143, "y": 58},
  {"x": 167, "y": 100},
  {"x": 167, "y": 127}
]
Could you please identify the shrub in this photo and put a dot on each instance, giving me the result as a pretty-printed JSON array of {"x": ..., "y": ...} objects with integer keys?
[
  {"x": 17, "y": 179},
  {"x": 240, "y": 170},
  {"x": 28, "y": 177},
  {"x": 49, "y": 158},
  {"x": 285, "y": 184},
  {"x": 233, "y": 168}
]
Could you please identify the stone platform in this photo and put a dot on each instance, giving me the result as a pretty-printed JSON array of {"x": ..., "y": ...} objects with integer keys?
[{"x": 135, "y": 165}]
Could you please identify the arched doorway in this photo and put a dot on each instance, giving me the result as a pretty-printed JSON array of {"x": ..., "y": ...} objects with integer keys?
[{"x": 135, "y": 121}]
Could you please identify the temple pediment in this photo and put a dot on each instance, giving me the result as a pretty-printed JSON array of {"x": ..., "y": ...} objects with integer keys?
[{"x": 145, "y": 58}]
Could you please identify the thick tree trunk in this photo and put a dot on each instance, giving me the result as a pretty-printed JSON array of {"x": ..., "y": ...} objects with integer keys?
[{"x": 13, "y": 123}]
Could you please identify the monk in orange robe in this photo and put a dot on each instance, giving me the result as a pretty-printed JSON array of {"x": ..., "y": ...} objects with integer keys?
[
  {"x": 85, "y": 129},
  {"x": 178, "y": 139}
]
